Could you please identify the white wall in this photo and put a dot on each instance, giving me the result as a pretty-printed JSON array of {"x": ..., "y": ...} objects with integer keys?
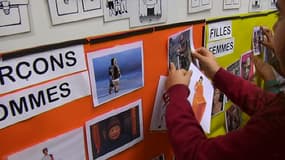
[{"x": 43, "y": 33}]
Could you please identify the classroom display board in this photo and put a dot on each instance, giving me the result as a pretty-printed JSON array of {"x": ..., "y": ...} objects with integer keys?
[
  {"x": 72, "y": 99},
  {"x": 59, "y": 101}
]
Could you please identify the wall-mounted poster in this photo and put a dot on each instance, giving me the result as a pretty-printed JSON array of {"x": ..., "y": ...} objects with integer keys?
[
  {"x": 147, "y": 12},
  {"x": 14, "y": 17},
  {"x": 116, "y": 9},
  {"x": 115, "y": 71},
  {"x": 64, "y": 11},
  {"x": 114, "y": 131},
  {"x": 66, "y": 146},
  {"x": 199, "y": 5}
]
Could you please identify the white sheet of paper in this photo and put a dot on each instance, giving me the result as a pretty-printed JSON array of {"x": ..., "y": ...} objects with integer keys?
[
  {"x": 116, "y": 10},
  {"x": 231, "y": 4},
  {"x": 64, "y": 11},
  {"x": 14, "y": 17},
  {"x": 222, "y": 47},
  {"x": 207, "y": 93},
  {"x": 158, "y": 113},
  {"x": 39, "y": 67},
  {"x": 219, "y": 30},
  {"x": 69, "y": 146},
  {"x": 256, "y": 6},
  {"x": 199, "y": 5},
  {"x": 33, "y": 101},
  {"x": 147, "y": 12}
]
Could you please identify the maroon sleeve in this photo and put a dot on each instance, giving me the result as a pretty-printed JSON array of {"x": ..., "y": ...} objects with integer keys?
[
  {"x": 189, "y": 141},
  {"x": 242, "y": 92}
]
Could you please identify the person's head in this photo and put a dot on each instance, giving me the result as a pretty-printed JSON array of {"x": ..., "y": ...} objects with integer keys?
[
  {"x": 200, "y": 79},
  {"x": 114, "y": 128},
  {"x": 113, "y": 61},
  {"x": 217, "y": 93},
  {"x": 279, "y": 38},
  {"x": 45, "y": 151},
  {"x": 181, "y": 38}
]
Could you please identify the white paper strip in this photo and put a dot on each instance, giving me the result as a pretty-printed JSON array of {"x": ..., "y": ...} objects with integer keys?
[{"x": 28, "y": 103}]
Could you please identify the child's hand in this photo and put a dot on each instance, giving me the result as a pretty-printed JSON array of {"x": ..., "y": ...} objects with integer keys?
[{"x": 177, "y": 76}]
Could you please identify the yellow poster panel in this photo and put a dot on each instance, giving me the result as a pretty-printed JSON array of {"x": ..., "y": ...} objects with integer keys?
[{"x": 235, "y": 35}]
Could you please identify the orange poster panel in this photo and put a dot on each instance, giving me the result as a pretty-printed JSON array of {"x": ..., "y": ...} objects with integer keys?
[{"x": 74, "y": 114}]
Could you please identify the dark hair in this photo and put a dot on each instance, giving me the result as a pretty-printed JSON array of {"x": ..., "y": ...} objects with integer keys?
[{"x": 113, "y": 61}]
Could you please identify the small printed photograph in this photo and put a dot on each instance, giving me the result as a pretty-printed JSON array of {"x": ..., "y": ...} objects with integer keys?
[
  {"x": 159, "y": 157},
  {"x": 147, "y": 12},
  {"x": 66, "y": 146},
  {"x": 115, "y": 131},
  {"x": 115, "y": 71},
  {"x": 234, "y": 68},
  {"x": 257, "y": 37},
  {"x": 158, "y": 122},
  {"x": 233, "y": 118},
  {"x": 115, "y": 10},
  {"x": 201, "y": 97},
  {"x": 218, "y": 102},
  {"x": 180, "y": 46},
  {"x": 247, "y": 66}
]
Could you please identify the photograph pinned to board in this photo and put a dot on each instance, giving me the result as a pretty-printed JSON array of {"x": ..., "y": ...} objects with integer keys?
[
  {"x": 14, "y": 17},
  {"x": 234, "y": 68},
  {"x": 65, "y": 11},
  {"x": 233, "y": 118},
  {"x": 147, "y": 12},
  {"x": 180, "y": 47},
  {"x": 115, "y": 71},
  {"x": 158, "y": 122},
  {"x": 218, "y": 102},
  {"x": 201, "y": 97},
  {"x": 115, "y": 131},
  {"x": 231, "y": 4},
  {"x": 199, "y": 5},
  {"x": 69, "y": 146},
  {"x": 247, "y": 66},
  {"x": 115, "y": 10}
]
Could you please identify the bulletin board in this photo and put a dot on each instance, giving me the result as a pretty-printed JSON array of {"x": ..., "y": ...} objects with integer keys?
[
  {"x": 242, "y": 31},
  {"x": 72, "y": 115}
]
